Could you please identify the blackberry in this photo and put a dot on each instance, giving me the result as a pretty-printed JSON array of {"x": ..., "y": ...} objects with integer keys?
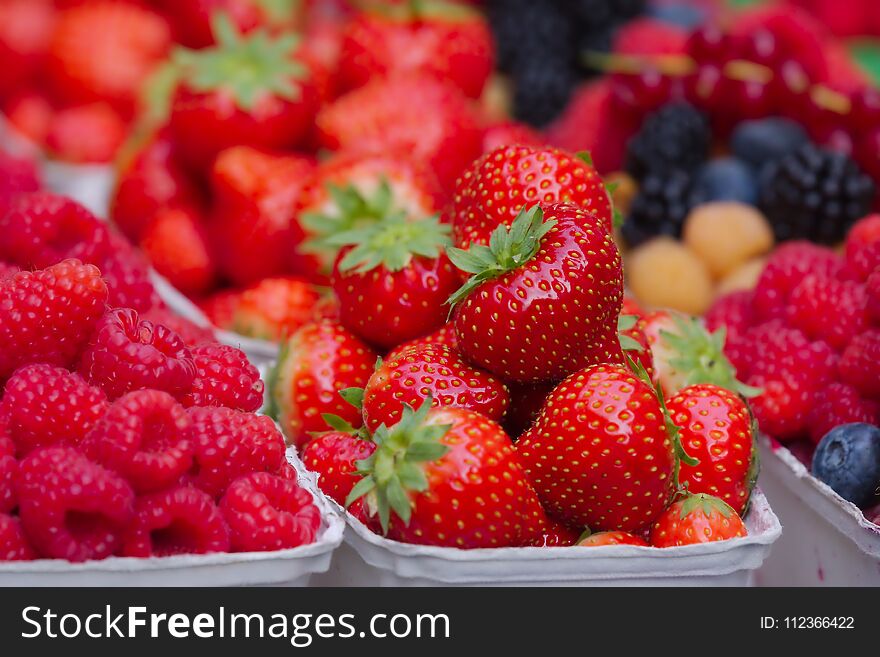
[
  {"x": 525, "y": 31},
  {"x": 659, "y": 208},
  {"x": 677, "y": 136},
  {"x": 543, "y": 90},
  {"x": 815, "y": 194}
]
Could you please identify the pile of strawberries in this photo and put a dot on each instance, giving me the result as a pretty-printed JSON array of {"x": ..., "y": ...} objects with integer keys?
[
  {"x": 809, "y": 336},
  {"x": 478, "y": 386},
  {"x": 120, "y": 435}
]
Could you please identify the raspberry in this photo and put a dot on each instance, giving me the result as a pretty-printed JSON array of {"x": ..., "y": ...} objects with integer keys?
[
  {"x": 230, "y": 444},
  {"x": 17, "y": 176},
  {"x": 14, "y": 545},
  {"x": 41, "y": 229},
  {"x": 70, "y": 507},
  {"x": 48, "y": 315},
  {"x": 863, "y": 246},
  {"x": 192, "y": 333},
  {"x": 266, "y": 512},
  {"x": 127, "y": 274},
  {"x": 7, "y": 270},
  {"x": 127, "y": 353},
  {"x": 732, "y": 311},
  {"x": 145, "y": 437},
  {"x": 818, "y": 298},
  {"x": 47, "y": 405},
  {"x": 838, "y": 404},
  {"x": 333, "y": 456},
  {"x": 8, "y": 472},
  {"x": 860, "y": 364},
  {"x": 872, "y": 288},
  {"x": 180, "y": 520},
  {"x": 225, "y": 377},
  {"x": 784, "y": 271}
]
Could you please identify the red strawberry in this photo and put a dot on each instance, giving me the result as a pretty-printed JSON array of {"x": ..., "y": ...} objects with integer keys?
[
  {"x": 25, "y": 31},
  {"x": 510, "y": 133},
  {"x": 611, "y": 538},
  {"x": 252, "y": 90},
  {"x": 863, "y": 246},
  {"x": 48, "y": 315},
  {"x": 85, "y": 134},
  {"x": 860, "y": 364},
  {"x": 333, "y": 455},
  {"x": 148, "y": 179},
  {"x": 554, "y": 534},
  {"x": 29, "y": 113},
  {"x": 445, "y": 335},
  {"x": 544, "y": 297},
  {"x": 316, "y": 363},
  {"x": 177, "y": 245},
  {"x": 819, "y": 297},
  {"x": 255, "y": 196},
  {"x": 836, "y": 404},
  {"x": 274, "y": 308},
  {"x": 696, "y": 519},
  {"x": 634, "y": 341},
  {"x": 430, "y": 371},
  {"x": 497, "y": 187},
  {"x": 350, "y": 191},
  {"x": 444, "y": 39},
  {"x": 526, "y": 402},
  {"x": 104, "y": 50},
  {"x": 392, "y": 278},
  {"x": 447, "y": 477},
  {"x": 220, "y": 307},
  {"x": 418, "y": 115},
  {"x": 599, "y": 454},
  {"x": 716, "y": 429}
]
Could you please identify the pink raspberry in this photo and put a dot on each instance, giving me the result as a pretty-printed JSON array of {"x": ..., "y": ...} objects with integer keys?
[
  {"x": 127, "y": 353},
  {"x": 732, "y": 311},
  {"x": 193, "y": 334},
  {"x": 7, "y": 270},
  {"x": 8, "y": 472},
  {"x": 17, "y": 176},
  {"x": 788, "y": 265},
  {"x": 817, "y": 299},
  {"x": 179, "y": 520},
  {"x": 70, "y": 507},
  {"x": 872, "y": 289},
  {"x": 14, "y": 545},
  {"x": 863, "y": 246},
  {"x": 145, "y": 437},
  {"x": 127, "y": 274},
  {"x": 48, "y": 315},
  {"x": 42, "y": 229},
  {"x": 230, "y": 444},
  {"x": 46, "y": 405},
  {"x": 838, "y": 404},
  {"x": 265, "y": 512},
  {"x": 225, "y": 377},
  {"x": 860, "y": 364}
]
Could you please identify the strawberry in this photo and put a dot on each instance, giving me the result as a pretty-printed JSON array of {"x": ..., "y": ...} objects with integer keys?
[
  {"x": 634, "y": 341},
  {"x": 25, "y": 31},
  {"x": 696, "y": 519},
  {"x": 430, "y": 371},
  {"x": 255, "y": 196},
  {"x": 349, "y": 191},
  {"x": 445, "y": 335},
  {"x": 177, "y": 246},
  {"x": 717, "y": 429},
  {"x": 29, "y": 113},
  {"x": 685, "y": 353},
  {"x": 148, "y": 179},
  {"x": 447, "y": 477},
  {"x": 103, "y": 51},
  {"x": 611, "y": 538},
  {"x": 599, "y": 454},
  {"x": 418, "y": 115},
  {"x": 252, "y": 90},
  {"x": 443, "y": 39},
  {"x": 543, "y": 298},
  {"x": 526, "y": 402},
  {"x": 315, "y": 363},
  {"x": 333, "y": 455},
  {"x": 494, "y": 190},
  {"x": 392, "y": 278},
  {"x": 85, "y": 134},
  {"x": 274, "y": 308}
]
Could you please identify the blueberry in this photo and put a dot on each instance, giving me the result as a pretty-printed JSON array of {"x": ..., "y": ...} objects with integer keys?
[
  {"x": 683, "y": 15},
  {"x": 763, "y": 141},
  {"x": 725, "y": 179},
  {"x": 848, "y": 460}
]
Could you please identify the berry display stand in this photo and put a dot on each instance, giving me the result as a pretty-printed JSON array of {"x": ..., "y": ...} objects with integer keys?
[
  {"x": 827, "y": 540},
  {"x": 293, "y": 567},
  {"x": 366, "y": 559}
]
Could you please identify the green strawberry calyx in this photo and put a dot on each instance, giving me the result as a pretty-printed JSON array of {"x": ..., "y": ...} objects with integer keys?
[
  {"x": 355, "y": 397},
  {"x": 394, "y": 469},
  {"x": 510, "y": 247},
  {"x": 391, "y": 242},
  {"x": 249, "y": 66},
  {"x": 699, "y": 355},
  {"x": 707, "y": 504}
]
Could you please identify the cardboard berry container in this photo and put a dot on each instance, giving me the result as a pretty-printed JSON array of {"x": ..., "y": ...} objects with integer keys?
[
  {"x": 293, "y": 567},
  {"x": 827, "y": 540},
  {"x": 366, "y": 559}
]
